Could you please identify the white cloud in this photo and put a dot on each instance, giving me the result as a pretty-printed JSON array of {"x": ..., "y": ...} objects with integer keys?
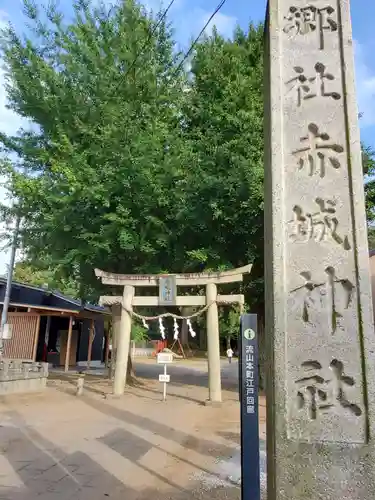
[
  {"x": 188, "y": 21},
  {"x": 154, "y": 5},
  {"x": 365, "y": 78},
  {"x": 161, "y": 5},
  {"x": 224, "y": 24}
]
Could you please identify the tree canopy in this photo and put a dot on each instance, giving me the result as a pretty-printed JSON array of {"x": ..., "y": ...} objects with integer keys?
[
  {"x": 368, "y": 160},
  {"x": 39, "y": 274},
  {"x": 97, "y": 185},
  {"x": 132, "y": 167}
]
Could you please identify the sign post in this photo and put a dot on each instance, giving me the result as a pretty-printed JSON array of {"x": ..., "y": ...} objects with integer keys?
[
  {"x": 164, "y": 358},
  {"x": 248, "y": 383}
]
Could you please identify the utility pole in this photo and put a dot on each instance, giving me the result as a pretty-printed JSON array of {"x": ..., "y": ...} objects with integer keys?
[{"x": 8, "y": 289}]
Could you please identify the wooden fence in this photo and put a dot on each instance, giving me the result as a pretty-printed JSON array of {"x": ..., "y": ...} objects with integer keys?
[{"x": 25, "y": 328}]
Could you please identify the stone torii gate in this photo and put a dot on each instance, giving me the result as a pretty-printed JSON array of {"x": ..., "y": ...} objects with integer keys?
[{"x": 168, "y": 283}]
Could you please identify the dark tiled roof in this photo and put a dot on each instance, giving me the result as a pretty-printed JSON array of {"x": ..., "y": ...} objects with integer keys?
[{"x": 55, "y": 293}]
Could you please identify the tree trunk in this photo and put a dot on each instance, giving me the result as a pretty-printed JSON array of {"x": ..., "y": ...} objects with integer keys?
[
  {"x": 228, "y": 341},
  {"x": 184, "y": 335},
  {"x": 130, "y": 375},
  {"x": 130, "y": 370},
  {"x": 112, "y": 365}
]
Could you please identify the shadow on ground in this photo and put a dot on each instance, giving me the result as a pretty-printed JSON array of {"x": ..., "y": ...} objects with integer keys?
[
  {"x": 201, "y": 445},
  {"x": 49, "y": 473}
]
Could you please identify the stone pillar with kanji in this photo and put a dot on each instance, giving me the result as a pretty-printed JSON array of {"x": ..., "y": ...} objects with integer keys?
[{"x": 319, "y": 321}]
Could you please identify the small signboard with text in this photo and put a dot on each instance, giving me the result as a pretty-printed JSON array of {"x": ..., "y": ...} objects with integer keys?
[
  {"x": 164, "y": 358},
  {"x": 248, "y": 383},
  {"x": 167, "y": 290}
]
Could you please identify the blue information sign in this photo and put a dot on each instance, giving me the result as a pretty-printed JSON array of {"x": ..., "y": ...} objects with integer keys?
[{"x": 248, "y": 384}]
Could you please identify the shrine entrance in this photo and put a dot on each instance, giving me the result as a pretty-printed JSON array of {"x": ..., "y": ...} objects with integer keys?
[{"x": 123, "y": 312}]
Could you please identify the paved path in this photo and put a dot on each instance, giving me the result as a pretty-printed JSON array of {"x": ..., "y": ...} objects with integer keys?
[
  {"x": 194, "y": 372},
  {"x": 57, "y": 446},
  {"x": 191, "y": 372}
]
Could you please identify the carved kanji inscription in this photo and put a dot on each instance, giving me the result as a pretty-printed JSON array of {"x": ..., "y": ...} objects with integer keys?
[
  {"x": 330, "y": 297},
  {"x": 320, "y": 225},
  {"x": 317, "y": 394},
  {"x": 318, "y": 152},
  {"x": 307, "y": 86},
  {"x": 304, "y": 21}
]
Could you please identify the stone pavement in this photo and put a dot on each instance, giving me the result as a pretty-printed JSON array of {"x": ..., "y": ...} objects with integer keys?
[{"x": 57, "y": 446}]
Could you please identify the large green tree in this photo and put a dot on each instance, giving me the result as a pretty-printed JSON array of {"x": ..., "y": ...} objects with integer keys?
[
  {"x": 40, "y": 274},
  {"x": 100, "y": 170},
  {"x": 130, "y": 167},
  {"x": 224, "y": 127},
  {"x": 368, "y": 161},
  {"x": 224, "y": 124}
]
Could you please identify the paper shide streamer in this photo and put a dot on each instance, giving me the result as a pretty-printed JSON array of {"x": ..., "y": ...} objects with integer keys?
[
  {"x": 162, "y": 328},
  {"x": 191, "y": 331}
]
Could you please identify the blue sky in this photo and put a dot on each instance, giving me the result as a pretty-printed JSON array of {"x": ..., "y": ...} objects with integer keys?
[{"x": 189, "y": 16}]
